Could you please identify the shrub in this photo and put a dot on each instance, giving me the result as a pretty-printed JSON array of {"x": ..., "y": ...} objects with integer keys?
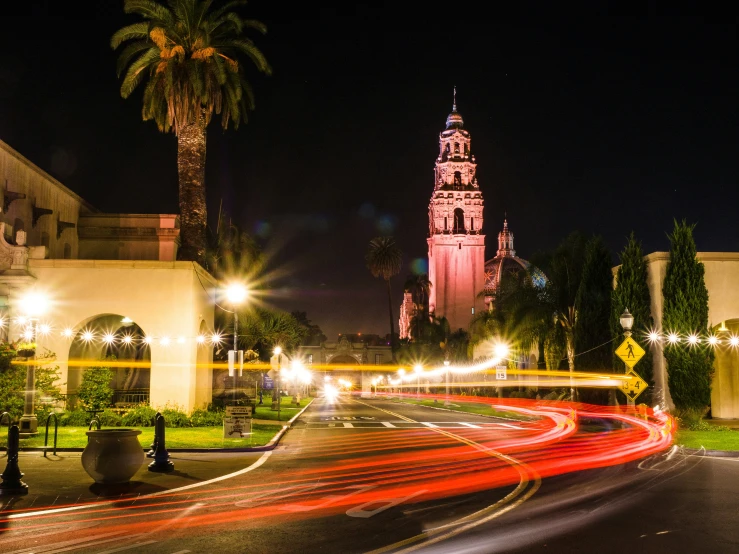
[
  {"x": 75, "y": 418},
  {"x": 109, "y": 418},
  {"x": 140, "y": 416},
  {"x": 205, "y": 418},
  {"x": 175, "y": 418},
  {"x": 94, "y": 391}
]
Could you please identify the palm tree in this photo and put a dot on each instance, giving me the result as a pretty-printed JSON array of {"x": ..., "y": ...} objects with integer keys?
[
  {"x": 188, "y": 54},
  {"x": 420, "y": 288},
  {"x": 384, "y": 259}
]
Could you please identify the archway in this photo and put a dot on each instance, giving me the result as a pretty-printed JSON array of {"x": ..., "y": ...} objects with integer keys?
[
  {"x": 101, "y": 337},
  {"x": 725, "y": 383},
  {"x": 349, "y": 373},
  {"x": 458, "y": 221}
]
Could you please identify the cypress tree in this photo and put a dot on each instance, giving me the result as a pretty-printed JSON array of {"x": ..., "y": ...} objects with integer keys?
[
  {"x": 593, "y": 304},
  {"x": 685, "y": 312},
  {"x": 632, "y": 292}
]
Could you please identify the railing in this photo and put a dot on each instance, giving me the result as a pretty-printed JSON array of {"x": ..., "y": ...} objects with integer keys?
[
  {"x": 56, "y": 430},
  {"x": 133, "y": 397}
]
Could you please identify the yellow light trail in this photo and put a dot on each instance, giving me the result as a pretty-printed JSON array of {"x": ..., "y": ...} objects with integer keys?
[{"x": 410, "y": 378}]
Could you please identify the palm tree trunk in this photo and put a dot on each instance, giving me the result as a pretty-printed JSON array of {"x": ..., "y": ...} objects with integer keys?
[
  {"x": 392, "y": 324},
  {"x": 191, "y": 173}
]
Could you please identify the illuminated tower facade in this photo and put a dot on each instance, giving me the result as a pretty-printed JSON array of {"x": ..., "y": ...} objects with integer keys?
[{"x": 455, "y": 240}]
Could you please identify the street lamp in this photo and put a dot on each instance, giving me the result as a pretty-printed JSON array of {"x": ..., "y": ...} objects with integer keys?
[
  {"x": 446, "y": 371},
  {"x": 236, "y": 294},
  {"x": 418, "y": 369},
  {"x": 401, "y": 375},
  {"x": 627, "y": 321},
  {"x": 276, "y": 393},
  {"x": 32, "y": 306}
]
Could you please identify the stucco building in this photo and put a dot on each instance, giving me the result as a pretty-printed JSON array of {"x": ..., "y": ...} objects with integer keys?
[{"x": 106, "y": 277}]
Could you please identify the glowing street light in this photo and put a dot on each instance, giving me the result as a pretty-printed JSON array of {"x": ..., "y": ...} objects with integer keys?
[
  {"x": 236, "y": 293},
  {"x": 627, "y": 322},
  {"x": 32, "y": 305},
  {"x": 418, "y": 369}
]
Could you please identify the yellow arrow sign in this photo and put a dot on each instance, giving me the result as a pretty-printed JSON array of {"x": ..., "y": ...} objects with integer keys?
[
  {"x": 634, "y": 386},
  {"x": 630, "y": 352}
]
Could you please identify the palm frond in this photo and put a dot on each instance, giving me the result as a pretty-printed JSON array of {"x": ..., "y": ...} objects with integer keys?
[
  {"x": 149, "y": 9},
  {"x": 129, "y": 32},
  {"x": 137, "y": 71}
]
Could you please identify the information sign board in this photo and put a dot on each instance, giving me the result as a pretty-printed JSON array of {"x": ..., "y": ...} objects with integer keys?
[
  {"x": 241, "y": 411},
  {"x": 501, "y": 373},
  {"x": 236, "y": 427},
  {"x": 634, "y": 386}
]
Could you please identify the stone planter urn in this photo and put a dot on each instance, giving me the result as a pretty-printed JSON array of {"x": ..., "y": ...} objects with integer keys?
[{"x": 112, "y": 455}]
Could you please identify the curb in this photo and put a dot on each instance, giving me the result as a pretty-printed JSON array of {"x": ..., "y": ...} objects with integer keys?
[
  {"x": 712, "y": 453},
  {"x": 271, "y": 445}
]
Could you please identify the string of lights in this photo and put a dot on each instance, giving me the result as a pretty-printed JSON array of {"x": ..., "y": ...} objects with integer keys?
[{"x": 724, "y": 337}]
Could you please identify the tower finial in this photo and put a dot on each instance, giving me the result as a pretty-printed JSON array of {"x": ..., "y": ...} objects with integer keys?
[{"x": 454, "y": 105}]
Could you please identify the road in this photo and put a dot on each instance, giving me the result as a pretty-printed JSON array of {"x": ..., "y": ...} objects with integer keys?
[{"x": 373, "y": 475}]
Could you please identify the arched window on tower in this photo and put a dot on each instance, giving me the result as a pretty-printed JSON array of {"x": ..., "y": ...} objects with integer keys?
[
  {"x": 446, "y": 223},
  {"x": 472, "y": 224},
  {"x": 466, "y": 149},
  {"x": 458, "y": 179},
  {"x": 456, "y": 148},
  {"x": 458, "y": 221}
]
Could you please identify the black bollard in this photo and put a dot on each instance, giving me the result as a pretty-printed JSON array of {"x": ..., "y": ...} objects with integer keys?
[
  {"x": 153, "y": 447},
  {"x": 11, "y": 484},
  {"x": 161, "y": 463}
]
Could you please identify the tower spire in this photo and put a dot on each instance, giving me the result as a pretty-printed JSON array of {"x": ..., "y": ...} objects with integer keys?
[{"x": 454, "y": 104}]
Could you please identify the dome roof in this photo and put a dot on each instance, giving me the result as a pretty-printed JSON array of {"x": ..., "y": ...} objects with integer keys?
[
  {"x": 507, "y": 263},
  {"x": 454, "y": 120}
]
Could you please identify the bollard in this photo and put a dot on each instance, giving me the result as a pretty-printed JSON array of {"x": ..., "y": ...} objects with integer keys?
[
  {"x": 153, "y": 446},
  {"x": 161, "y": 463},
  {"x": 11, "y": 478}
]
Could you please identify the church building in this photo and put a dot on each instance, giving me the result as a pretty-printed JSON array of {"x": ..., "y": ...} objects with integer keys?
[{"x": 462, "y": 282}]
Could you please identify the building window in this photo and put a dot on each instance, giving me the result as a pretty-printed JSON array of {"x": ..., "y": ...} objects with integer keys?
[
  {"x": 456, "y": 148},
  {"x": 473, "y": 311},
  {"x": 67, "y": 251},
  {"x": 310, "y": 359},
  {"x": 458, "y": 221},
  {"x": 472, "y": 224},
  {"x": 446, "y": 223},
  {"x": 457, "y": 179},
  {"x": 45, "y": 239},
  {"x": 378, "y": 359}
]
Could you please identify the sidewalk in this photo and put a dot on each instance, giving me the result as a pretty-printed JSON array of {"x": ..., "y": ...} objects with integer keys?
[
  {"x": 732, "y": 423},
  {"x": 61, "y": 480}
]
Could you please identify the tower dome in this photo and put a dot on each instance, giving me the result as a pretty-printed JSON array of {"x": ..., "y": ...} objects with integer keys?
[
  {"x": 506, "y": 264},
  {"x": 454, "y": 120}
]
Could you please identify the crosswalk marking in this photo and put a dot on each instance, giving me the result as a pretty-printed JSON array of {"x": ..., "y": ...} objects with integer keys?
[
  {"x": 347, "y": 424},
  {"x": 469, "y": 425},
  {"x": 387, "y": 424},
  {"x": 427, "y": 424}
]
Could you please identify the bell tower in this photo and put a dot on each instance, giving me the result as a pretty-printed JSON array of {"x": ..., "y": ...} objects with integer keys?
[{"x": 455, "y": 240}]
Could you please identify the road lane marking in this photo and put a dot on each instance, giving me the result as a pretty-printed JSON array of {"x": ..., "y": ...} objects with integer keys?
[
  {"x": 348, "y": 425},
  {"x": 74, "y": 543},
  {"x": 473, "y": 426},
  {"x": 129, "y": 547},
  {"x": 427, "y": 424},
  {"x": 502, "y": 506},
  {"x": 262, "y": 459},
  {"x": 388, "y": 424}
]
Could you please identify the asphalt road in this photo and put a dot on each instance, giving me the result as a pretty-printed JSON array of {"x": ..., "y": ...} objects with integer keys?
[{"x": 370, "y": 475}]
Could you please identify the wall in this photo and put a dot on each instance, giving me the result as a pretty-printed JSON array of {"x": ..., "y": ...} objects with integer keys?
[
  {"x": 457, "y": 276},
  {"x": 18, "y": 175},
  {"x": 722, "y": 282},
  {"x": 128, "y": 237},
  {"x": 163, "y": 298}
]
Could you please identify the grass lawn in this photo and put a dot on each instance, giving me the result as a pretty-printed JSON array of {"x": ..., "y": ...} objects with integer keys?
[
  {"x": 184, "y": 437},
  {"x": 467, "y": 407},
  {"x": 288, "y": 410},
  {"x": 711, "y": 440}
]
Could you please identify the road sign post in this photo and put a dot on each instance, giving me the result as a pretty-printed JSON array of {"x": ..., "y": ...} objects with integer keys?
[{"x": 630, "y": 353}]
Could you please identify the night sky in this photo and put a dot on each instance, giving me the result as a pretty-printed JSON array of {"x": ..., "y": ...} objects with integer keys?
[{"x": 600, "y": 125}]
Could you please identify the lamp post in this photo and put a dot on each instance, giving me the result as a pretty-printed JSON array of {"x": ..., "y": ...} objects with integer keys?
[
  {"x": 418, "y": 369},
  {"x": 236, "y": 294},
  {"x": 446, "y": 371},
  {"x": 32, "y": 306},
  {"x": 401, "y": 374},
  {"x": 276, "y": 392},
  {"x": 627, "y": 321}
]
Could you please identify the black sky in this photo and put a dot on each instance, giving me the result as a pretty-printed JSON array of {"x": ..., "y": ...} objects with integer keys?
[{"x": 605, "y": 125}]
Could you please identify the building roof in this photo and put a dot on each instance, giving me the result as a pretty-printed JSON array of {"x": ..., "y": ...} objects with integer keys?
[{"x": 506, "y": 263}]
